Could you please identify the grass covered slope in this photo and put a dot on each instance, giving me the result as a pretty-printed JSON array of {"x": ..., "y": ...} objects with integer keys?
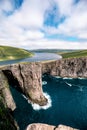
[
  {"x": 78, "y": 53},
  {"x": 12, "y": 53}
]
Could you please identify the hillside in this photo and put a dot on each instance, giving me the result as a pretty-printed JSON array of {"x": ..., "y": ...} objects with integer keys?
[
  {"x": 78, "y": 53},
  {"x": 12, "y": 53}
]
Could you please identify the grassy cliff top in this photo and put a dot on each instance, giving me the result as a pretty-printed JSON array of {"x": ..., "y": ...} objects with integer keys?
[
  {"x": 75, "y": 54},
  {"x": 12, "y": 53}
]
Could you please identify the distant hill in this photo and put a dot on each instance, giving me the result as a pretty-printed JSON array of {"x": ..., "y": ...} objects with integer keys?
[
  {"x": 52, "y": 50},
  {"x": 66, "y": 53},
  {"x": 12, "y": 53},
  {"x": 78, "y": 53}
]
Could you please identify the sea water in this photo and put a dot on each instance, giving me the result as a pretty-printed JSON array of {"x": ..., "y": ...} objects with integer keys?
[{"x": 67, "y": 104}]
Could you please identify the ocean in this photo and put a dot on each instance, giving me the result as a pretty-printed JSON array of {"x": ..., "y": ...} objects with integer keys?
[{"x": 67, "y": 104}]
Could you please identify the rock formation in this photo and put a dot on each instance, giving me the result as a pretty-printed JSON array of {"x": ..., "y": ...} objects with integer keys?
[
  {"x": 39, "y": 126},
  {"x": 28, "y": 77},
  {"x": 5, "y": 92},
  {"x": 73, "y": 67},
  {"x": 7, "y": 105}
]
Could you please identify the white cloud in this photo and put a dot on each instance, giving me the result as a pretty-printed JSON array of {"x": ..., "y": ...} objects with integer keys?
[
  {"x": 83, "y": 35},
  {"x": 76, "y": 19},
  {"x": 45, "y": 43},
  {"x": 24, "y": 27},
  {"x": 7, "y": 5},
  {"x": 31, "y": 14}
]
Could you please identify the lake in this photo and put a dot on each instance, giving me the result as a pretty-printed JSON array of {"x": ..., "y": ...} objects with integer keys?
[{"x": 36, "y": 58}]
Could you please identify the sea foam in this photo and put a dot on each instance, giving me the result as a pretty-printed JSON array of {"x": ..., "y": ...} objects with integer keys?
[
  {"x": 44, "y": 83},
  {"x": 37, "y": 106},
  {"x": 68, "y": 84},
  {"x": 67, "y": 78}
]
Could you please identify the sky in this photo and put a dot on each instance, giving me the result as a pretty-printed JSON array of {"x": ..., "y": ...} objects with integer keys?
[{"x": 52, "y": 24}]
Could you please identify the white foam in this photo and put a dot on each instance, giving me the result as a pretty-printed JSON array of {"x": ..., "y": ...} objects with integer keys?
[
  {"x": 25, "y": 97},
  {"x": 67, "y": 78},
  {"x": 44, "y": 83},
  {"x": 57, "y": 77},
  {"x": 80, "y": 78},
  {"x": 68, "y": 84},
  {"x": 38, "y": 107}
]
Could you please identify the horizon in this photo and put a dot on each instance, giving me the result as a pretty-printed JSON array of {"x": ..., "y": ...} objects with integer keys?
[{"x": 55, "y": 24}]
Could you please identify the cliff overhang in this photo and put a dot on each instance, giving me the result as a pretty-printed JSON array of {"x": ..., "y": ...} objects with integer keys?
[{"x": 27, "y": 77}]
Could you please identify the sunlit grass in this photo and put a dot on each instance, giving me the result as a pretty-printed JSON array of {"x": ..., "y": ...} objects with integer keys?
[
  {"x": 78, "y": 53},
  {"x": 12, "y": 53}
]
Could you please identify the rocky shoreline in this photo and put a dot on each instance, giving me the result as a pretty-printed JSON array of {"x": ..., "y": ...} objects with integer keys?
[{"x": 27, "y": 77}]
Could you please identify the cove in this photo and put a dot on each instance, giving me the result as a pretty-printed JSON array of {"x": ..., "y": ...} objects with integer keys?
[{"x": 68, "y": 106}]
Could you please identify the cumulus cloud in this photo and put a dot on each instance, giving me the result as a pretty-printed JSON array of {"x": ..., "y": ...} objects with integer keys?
[{"x": 25, "y": 26}]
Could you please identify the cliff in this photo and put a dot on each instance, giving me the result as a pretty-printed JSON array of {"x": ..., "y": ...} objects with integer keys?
[
  {"x": 73, "y": 67},
  {"x": 27, "y": 77},
  {"x": 7, "y": 105},
  {"x": 6, "y": 120},
  {"x": 39, "y": 126},
  {"x": 5, "y": 91}
]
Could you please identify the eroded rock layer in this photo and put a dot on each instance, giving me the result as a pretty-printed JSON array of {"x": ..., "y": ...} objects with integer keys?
[{"x": 73, "y": 67}]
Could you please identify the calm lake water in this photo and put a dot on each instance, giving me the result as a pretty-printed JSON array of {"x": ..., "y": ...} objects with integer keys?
[
  {"x": 37, "y": 57},
  {"x": 68, "y": 104}
]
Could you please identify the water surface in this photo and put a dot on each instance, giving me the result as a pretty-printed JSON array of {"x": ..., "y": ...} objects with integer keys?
[
  {"x": 36, "y": 58},
  {"x": 68, "y": 107}
]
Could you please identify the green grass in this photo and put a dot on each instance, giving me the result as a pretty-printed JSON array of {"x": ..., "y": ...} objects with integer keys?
[
  {"x": 75, "y": 54},
  {"x": 12, "y": 53}
]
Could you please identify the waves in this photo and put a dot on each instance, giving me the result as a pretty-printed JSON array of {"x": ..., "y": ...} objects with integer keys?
[
  {"x": 67, "y": 78},
  {"x": 38, "y": 107},
  {"x": 44, "y": 83},
  {"x": 69, "y": 84}
]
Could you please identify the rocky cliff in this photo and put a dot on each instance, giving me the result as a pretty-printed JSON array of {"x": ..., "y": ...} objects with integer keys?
[
  {"x": 27, "y": 77},
  {"x": 39, "y": 126},
  {"x": 5, "y": 92},
  {"x": 7, "y": 105},
  {"x": 73, "y": 67}
]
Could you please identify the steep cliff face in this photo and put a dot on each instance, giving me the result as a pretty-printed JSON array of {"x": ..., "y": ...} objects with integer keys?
[
  {"x": 75, "y": 67},
  {"x": 7, "y": 105},
  {"x": 5, "y": 92},
  {"x": 39, "y": 126},
  {"x": 6, "y": 120},
  {"x": 28, "y": 77}
]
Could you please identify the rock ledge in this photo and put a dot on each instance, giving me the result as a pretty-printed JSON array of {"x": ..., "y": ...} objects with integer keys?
[{"x": 39, "y": 126}]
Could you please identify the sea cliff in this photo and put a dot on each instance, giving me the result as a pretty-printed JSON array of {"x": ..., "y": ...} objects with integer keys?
[
  {"x": 70, "y": 67},
  {"x": 27, "y": 78}
]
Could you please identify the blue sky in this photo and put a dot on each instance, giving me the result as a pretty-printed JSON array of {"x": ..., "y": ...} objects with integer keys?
[{"x": 33, "y": 24}]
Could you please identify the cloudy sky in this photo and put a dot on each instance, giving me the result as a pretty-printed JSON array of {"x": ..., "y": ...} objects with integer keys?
[{"x": 36, "y": 24}]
